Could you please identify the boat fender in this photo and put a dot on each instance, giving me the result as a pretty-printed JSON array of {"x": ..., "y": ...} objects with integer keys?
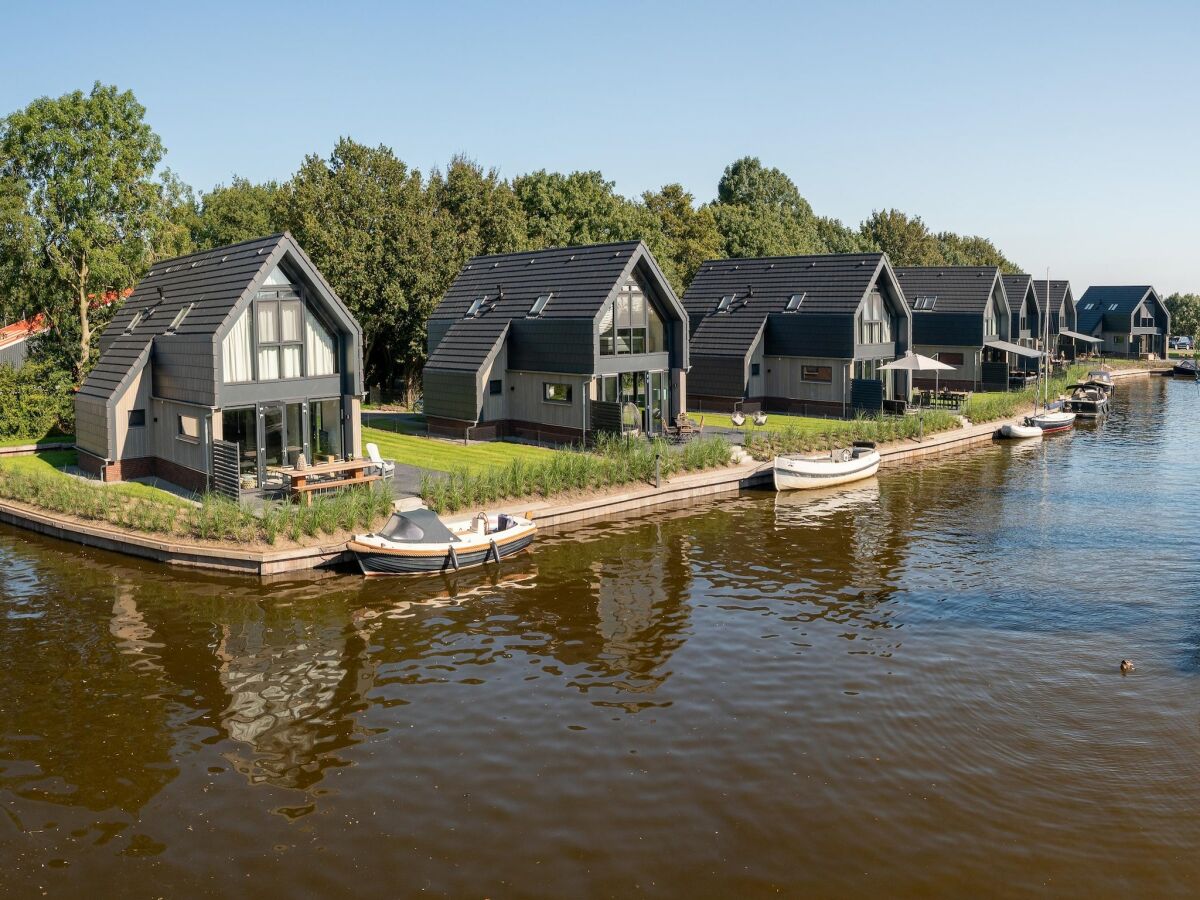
[
  {"x": 452, "y": 558},
  {"x": 493, "y": 552}
]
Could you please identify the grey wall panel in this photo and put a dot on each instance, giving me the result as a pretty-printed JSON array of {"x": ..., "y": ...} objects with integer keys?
[
  {"x": 91, "y": 426},
  {"x": 951, "y": 329},
  {"x": 830, "y": 336},
  {"x": 552, "y": 345},
  {"x": 717, "y": 376},
  {"x": 451, "y": 394}
]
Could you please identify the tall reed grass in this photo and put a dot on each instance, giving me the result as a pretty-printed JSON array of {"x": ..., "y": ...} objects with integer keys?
[
  {"x": 764, "y": 445},
  {"x": 215, "y": 518},
  {"x": 611, "y": 462}
]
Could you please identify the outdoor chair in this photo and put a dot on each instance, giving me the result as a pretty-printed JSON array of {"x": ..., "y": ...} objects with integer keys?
[{"x": 383, "y": 467}]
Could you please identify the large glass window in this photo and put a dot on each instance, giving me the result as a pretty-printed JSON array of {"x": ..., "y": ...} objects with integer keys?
[
  {"x": 237, "y": 351},
  {"x": 325, "y": 429},
  {"x": 631, "y": 324},
  {"x": 874, "y": 320},
  {"x": 240, "y": 426},
  {"x": 280, "y": 337}
]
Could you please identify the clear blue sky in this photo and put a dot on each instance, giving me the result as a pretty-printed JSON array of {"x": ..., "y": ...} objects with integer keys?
[{"x": 1069, "y": 134}]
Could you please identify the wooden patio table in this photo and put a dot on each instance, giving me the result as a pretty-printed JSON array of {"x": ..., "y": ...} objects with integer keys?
[{"x": 352, "y": 472}]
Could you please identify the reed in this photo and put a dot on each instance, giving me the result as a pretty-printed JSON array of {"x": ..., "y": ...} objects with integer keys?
[
  {"x": 764, "y": 445},
  {"x": 611, "y": 462}
]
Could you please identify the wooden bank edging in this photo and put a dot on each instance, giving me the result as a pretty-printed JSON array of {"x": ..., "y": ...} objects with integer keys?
[
  {"x": 711, "y": 483},
  {"x": 26, "y": 449}
]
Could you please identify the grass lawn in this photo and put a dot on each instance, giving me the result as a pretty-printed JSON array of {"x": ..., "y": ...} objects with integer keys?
[
  {"x": 52, "y": 437},
  {"x": 403, "y": 422},
  {"x": 778, "y": 422},
  {"x": 446, "y": 456},
  {"x": 51, "y": 461}
]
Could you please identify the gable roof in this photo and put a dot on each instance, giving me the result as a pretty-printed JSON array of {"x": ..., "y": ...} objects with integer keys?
[
  {"x": 579, "y": 279},
  {"x": 1058, "y": 292},
  {"x": 1016, "y": 289},
  {"x": 832, "y": 284},
  {"x": 1126, "y": 298},
  {"x": 214, "y": 283},
  {"x": 959, "y": 289}
]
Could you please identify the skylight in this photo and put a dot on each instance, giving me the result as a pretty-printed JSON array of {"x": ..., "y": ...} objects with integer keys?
[
  {"x": 1112, "y": 306},
  {"x": 179, "y": 317},
  {"x": 723, "y": 306},
  {"x": 1089, "y": 306},
  {"x": 925, "y": 302},
  {"x": 539, "y": 305},
  {"x": 476, "y": 306},
  {"x": 794, "y": 302},
  {"x": 134, "y": 322}
]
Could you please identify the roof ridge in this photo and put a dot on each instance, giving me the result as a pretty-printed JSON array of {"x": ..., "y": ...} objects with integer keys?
[
  {"x": 563, "y": 249},
  {"x": 212, "y": 251}
]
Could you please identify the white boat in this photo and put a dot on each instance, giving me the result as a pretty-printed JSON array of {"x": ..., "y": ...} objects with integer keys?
[
  {"x": 1019, "y": 431},
  {"x": 1052, "y": 421},
  {"x": 418, "y": 541},
  {"x": 798, "y": 473}
]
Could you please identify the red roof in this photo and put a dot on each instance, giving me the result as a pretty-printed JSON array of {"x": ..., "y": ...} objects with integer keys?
[{"x": 19, "y": 331}]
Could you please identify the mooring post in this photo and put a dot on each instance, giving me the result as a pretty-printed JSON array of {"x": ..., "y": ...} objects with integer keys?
[{"x": 657, "y": 467}]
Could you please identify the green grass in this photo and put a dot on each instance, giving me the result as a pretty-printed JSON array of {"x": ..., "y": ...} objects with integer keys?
[
  {"x": 49, "y": 437},
  {"x": 48, "y": 463},
  {"x": 447, "y": 456},
  {"x": 613, "y": 462},
  {"x": 401, "y": 423},
  {"x": 806, "y": 438}
]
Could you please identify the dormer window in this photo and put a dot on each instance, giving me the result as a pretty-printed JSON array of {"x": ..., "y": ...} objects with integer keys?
[
  {"x": 724, "y": 303},
  {"x": 925, "y": 302},
  {"x": 794, "y": 302},
  {"x": 539, "y": 305}
]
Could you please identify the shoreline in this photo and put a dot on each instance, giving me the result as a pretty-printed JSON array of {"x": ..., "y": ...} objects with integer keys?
[{"x": 547, "y": 513}]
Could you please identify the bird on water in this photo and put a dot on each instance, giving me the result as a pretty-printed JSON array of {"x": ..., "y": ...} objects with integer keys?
[{"x": 1127, "y": 665}]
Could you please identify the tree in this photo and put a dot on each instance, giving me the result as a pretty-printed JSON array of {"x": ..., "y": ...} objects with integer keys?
[
  {"x": 239, "y": 211},
  {"x": 1185, "y": 313},
  {"x": 957, "y": 250},
  {"x": 683, "y": 236},
  {"x": 839, "y": 238},
  {"x": 759, "y": 212},
  {"x": 367, "y": 222},
  {"x": 482, "y": 209},
  {"x": 89, "y": 216},
  {"x": 906, "y": 241},
  {"x": 580, "y": 208}
]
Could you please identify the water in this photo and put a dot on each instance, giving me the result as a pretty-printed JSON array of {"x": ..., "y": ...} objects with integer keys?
[{"x": 904, "y": 687}]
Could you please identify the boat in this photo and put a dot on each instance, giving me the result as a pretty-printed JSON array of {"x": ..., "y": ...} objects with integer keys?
[
  {"x": 418, "y": 541},
  {"x": 1102, "y": 377},
  {"x": 1052, "y": 421},
  {"x": 794, "y": 472},
  {"x": 1020, "y": 431},
  {"x": 1186, "y": 369},
  {"x": 1087, "y": 400}
]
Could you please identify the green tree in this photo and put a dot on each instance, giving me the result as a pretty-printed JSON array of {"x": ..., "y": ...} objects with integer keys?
[
  {"x": 839, "y": 238},
  {"x": 482, "y": 209},
  {"x": 759, "y": 212},
  {"x": 368, "y": 223},
  {"x": 906, "y": 241},
  {"x": 682, "y": 236},
  {"x": 90, "y": 214},
  {"x": 238, "y": 211},
  {"x": 1185, "y": 313},
  {"x": 580, "y": 208},
  {"x": 957, "y": 250}
]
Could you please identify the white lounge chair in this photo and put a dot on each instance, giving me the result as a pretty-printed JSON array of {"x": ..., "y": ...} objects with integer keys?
[{"x": 386, "y": 468}]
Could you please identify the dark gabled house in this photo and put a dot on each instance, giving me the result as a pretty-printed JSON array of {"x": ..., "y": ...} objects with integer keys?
[
  {"x": 1130, "y": 320},
  {"x": 797, "y": 333},
  {"x": 557, "y": 344},
  {"x": 245, "y": 344},
  {"x": 962, "y": 317},
  {"x": 1064, "y": 336},
  {"x": 1027, "y": 323}
]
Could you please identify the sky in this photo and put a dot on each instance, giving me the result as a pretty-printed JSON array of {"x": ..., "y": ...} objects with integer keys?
[{"x": 1067, "y": 133}]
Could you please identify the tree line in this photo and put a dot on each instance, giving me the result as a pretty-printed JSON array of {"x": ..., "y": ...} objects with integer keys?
[{"x": 86, "y": 208}]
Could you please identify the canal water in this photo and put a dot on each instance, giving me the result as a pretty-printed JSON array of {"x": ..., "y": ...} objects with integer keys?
[{"x": 904, "y": 687}]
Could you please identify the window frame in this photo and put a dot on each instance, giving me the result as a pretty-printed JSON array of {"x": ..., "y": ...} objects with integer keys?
[
  {"x": 547, "y": 389},
  {"x": 181, "y": 430},
  {"x": 816, "y": 379},
  {"x": 495, "y": 387},
  {"x": 138, "y": 413},
  {"x": 539, "y": 305}
]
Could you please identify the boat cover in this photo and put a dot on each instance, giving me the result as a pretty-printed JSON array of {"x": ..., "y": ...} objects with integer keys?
[
  {"x": 417, "y": 526},
  {"x": 1080, "y": 337},
  {"x": 1008, "y": 347}
]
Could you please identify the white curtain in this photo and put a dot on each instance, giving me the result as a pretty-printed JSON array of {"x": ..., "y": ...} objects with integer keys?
[
  {"x": 268, "y": 363},
  {"x": 289, "y": 318},
  {"x": 291, "y": 361},
  {"x": 236, "y": 351},
  {"x": 320, "y": 347}
]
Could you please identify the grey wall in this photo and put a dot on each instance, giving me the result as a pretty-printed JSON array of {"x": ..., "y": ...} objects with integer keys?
[{"x": 553, "y": 345}]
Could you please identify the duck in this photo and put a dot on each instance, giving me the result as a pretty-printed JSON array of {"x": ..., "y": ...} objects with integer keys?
[{"x": 1127, "y": 665}]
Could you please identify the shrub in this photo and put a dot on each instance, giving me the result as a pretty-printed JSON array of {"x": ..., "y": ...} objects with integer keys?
[{"x": 38, "y": 400}]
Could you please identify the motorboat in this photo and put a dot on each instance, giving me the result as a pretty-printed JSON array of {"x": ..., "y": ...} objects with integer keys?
[
  {"x": 1052, "y": 421},
  {"x": 1087, "y": 400},
  {"x": 1020, "y": 431},
  {"x": 1102, "y": 377},
  {"x": 840, "y": 466},
  {"x": 1186, "y": 368},
  {"x": 418, "y": 541}
]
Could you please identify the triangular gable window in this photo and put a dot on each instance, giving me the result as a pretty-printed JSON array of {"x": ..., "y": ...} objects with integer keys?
[{"x": 277, "y": 278}]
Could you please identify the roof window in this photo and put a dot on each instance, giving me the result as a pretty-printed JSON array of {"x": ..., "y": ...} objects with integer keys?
[
  {"x": 179, "y": 317},
  {"x": 134, "y": 322},
  {"x": 539, "y": 305},
  {"x": 1112, "y": 306},
  {"x": 723, "y": 305},
  {"x": 794, "y": 301},
  {"x": 925, "y": 302},
  {"x": 1089, "y": 306},
  {"x": 477, "y": 307}
]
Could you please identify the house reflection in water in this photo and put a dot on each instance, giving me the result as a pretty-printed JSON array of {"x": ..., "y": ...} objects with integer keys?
[{"x": 292, "y": 687}]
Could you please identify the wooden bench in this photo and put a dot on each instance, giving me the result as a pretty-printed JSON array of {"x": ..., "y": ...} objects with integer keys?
[{"x": 307, "y": 489}]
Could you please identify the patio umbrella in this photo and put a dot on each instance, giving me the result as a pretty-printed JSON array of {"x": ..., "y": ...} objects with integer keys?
[{"x": 915, "y": 362}]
